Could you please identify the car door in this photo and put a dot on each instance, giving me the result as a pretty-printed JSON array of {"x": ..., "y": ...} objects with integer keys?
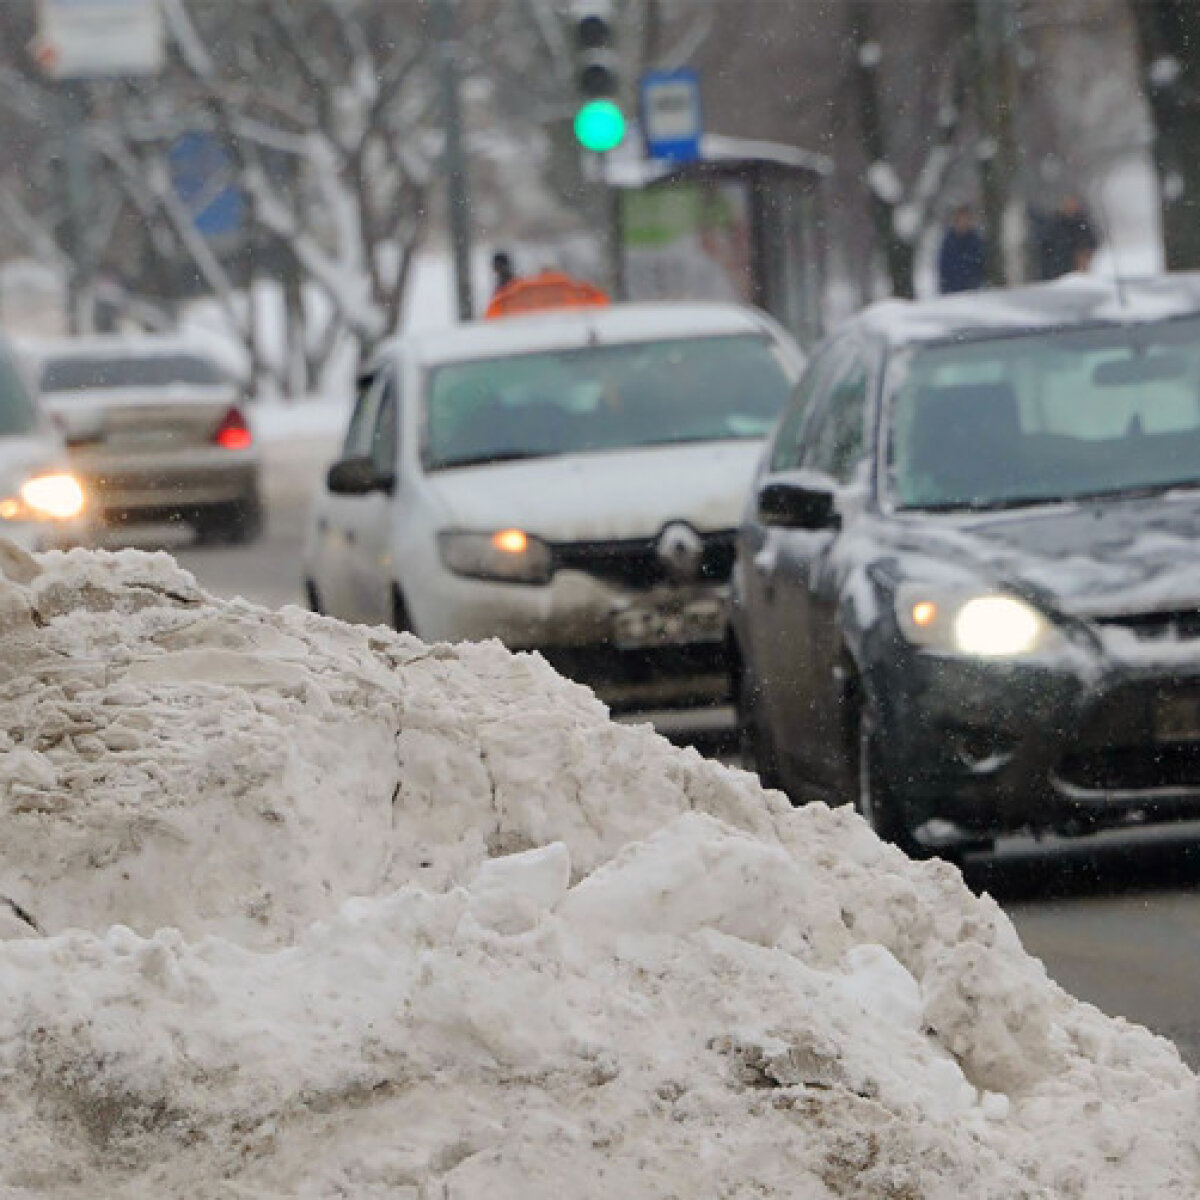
[
  {"x": 804, "y": 710},
  {"x": 336, "y": 526},
  {"x": 764, "y": 631},
  {"x": 370, "y": 515}
]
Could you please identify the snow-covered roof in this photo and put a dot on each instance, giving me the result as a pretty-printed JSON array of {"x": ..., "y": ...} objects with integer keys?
[
  {"x": 557, "y": 329},
  {"x": 627, "y": 167},
  {"x": 1073, "y": 300},
  {"x": 299, "y": 909},
  {"x": 113, "y": 345}
]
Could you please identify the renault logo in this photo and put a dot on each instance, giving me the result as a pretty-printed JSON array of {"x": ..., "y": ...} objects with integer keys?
[{"x": 680, "y": 549}]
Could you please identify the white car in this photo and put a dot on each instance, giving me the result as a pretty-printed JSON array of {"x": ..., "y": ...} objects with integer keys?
[
  {"x": 569, "y": 482},
  {"x": 42, "y": 505},
  {"x": 156, "y": 428}
]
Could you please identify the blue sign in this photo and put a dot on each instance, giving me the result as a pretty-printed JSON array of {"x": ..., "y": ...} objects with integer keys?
[
  {"x": 204, "y": 179},
  {"x": 669, "y": 110}
]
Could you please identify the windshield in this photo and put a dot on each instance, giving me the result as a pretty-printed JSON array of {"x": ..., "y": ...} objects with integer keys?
[
  {"x": 604, "y": 398},
  {"x": 78, "y": 373},
  {"x": 1048, "y": 416},
  {"x": 16, "y": 409}
]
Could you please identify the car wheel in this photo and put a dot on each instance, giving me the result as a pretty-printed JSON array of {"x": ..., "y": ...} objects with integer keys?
[
  {"x": 755, "y": 744},
  {"x": 874, "y": 799},
  {"x": 311, "y": 596},
  {"x": 238, "y": 523}
]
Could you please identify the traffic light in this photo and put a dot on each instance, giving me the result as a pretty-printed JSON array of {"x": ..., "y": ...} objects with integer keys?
[{"x": 599, "y": 121}]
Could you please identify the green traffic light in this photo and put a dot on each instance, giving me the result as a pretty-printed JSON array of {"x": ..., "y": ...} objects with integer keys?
[{"x": 599, "y": 126}]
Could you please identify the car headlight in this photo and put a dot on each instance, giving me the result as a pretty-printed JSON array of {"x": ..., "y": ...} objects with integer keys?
[
  {"x": 508, "y": 555},
  {"x": 57, "y": 497},
  {"x": 972, "y": 624}
]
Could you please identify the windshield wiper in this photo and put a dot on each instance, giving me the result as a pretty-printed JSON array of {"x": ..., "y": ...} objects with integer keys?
[
  {"x": 1140, "y": 490},
  {"x": 490, "y": 456},
  {"x": 951, "y": 506},
  {"x": 1000, "y": 504}
]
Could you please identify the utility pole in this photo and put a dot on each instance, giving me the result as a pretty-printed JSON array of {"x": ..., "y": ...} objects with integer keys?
[
  {"x": 454, "y": 164},
  {"x": 77, "y": 184}
]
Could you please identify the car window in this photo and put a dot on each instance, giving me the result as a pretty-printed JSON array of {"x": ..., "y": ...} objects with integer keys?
[
  {"x": 788, "y": 444},
  {"x": 17, "y": 413},
  {"x": 84, "y": 372},
  {"x": 1047, "y": 416},
  {"x": 385, "y": 438},
  {"x": 836, "y": 439},
  {"x": 360, "y": 435},
  {"x": 601, "y": 398}
]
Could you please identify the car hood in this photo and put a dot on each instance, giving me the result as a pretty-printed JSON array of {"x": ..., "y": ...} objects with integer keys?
[
  {"x": 1093, "y": 559},
  {"x": 22, "y": 455},
  {"x": 608, "y": 496}
]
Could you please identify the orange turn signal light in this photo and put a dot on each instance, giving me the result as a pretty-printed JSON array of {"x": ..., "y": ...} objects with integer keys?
[
  {"x": 924, "y": 613},
  {"x": 511, "y": 541}
]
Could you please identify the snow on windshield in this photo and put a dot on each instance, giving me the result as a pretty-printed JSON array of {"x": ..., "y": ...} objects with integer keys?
[
  {"x": 75, "y": 372},
  {"x": 293, "y": 908}
]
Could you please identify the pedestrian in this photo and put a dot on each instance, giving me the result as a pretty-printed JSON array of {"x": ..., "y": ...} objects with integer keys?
[
  {"x": 502, "y": 269},
  {"x": 960, "y": 260},
  {"x": 1068, "y": 240}
]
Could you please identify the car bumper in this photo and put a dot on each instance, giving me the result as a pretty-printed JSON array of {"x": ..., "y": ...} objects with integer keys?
[
  {"x": 36, "y": 536},
  {"x": 180, "y": 483},
  {"x": 636, "y": 647},
  {"x": 1082, "y": 743}
]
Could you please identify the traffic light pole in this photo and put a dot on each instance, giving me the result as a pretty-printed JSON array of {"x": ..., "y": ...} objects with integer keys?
[
  {"x": 454, "y": 164},
  {"x": 76, "y": 179}
]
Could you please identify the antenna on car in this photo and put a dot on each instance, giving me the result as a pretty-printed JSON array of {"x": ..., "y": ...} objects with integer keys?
[{"x": 1107, "y": 227}]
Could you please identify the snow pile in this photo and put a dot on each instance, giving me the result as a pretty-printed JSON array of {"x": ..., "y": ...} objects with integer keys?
[{"x": 295, "y": 909}]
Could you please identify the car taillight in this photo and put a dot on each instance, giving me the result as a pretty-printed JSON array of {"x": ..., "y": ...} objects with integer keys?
[{"x": 233, "y": 433}]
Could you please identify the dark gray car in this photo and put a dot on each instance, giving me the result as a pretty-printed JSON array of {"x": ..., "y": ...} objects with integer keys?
[{"x": 967, "y": 591}]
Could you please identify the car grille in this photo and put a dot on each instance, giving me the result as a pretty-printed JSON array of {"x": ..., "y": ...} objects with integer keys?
[
  {"x": 636, "y": 565},
  {"x": 1179, "y": 626},
  {"x": 1133, "y": 768},
  {"x": 1115, "y": 749}
]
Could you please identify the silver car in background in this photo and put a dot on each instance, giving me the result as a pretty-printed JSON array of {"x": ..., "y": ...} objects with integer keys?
[
  {"x": 156, "y": 431},
  {"x": 42, "y": 505}
]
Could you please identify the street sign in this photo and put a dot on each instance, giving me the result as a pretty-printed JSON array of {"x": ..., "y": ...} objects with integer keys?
[
  {"x": 669, "y": 106},
  {"x": 87, "y": 39},
  {"x": 205, "y": 181}
]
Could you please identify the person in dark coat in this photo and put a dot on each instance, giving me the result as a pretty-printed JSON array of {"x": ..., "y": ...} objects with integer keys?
[
  {"x": 503, "y": 270},
  {"x": 960, "y": 260},
  {"x": 1068, "y": 239}
]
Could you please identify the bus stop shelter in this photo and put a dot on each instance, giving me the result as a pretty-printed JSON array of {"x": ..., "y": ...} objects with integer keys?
[{"x": 742, "y": 223}]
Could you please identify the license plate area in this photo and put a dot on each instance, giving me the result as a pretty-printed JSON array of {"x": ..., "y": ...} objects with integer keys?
[
  {"x": 669, "y": 621},
  {"x": 1177, "y": 718}
]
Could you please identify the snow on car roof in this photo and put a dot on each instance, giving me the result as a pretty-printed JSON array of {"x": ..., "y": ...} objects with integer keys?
[
  {"x": 564, "y": 328},
  {"x": 294, "y": 908},
  {"x": 115, "y": 345},
  {"x": 1072, "y": 300}
]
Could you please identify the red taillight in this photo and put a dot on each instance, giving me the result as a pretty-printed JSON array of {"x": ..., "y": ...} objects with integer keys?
[{"x": 233, "y": 433}]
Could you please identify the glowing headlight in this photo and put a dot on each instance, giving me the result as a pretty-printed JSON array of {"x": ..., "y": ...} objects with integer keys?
[
  {"x": 508, "y": 556},
  {"x": 978, "y": 625},
  {"x": 998, "y": 627},
  {"x": 44, "y": 497}
]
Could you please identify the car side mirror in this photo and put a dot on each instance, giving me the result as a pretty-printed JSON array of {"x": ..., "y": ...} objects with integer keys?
[
  {"x": 358, "y": 476},
  {"x": 799, "y": 503}
]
